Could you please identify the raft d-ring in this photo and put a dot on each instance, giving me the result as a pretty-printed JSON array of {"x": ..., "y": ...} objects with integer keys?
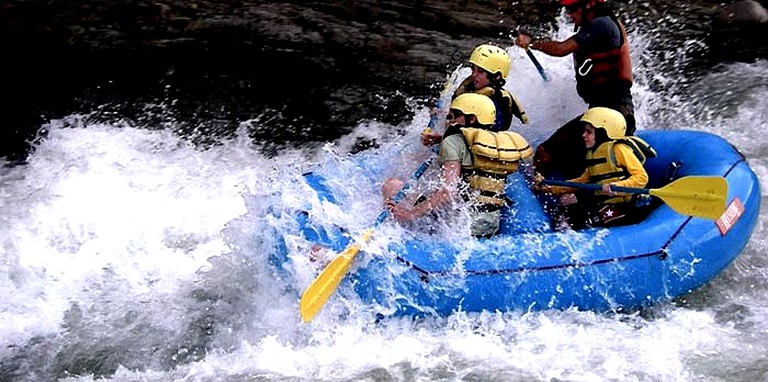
[
  {"x": 663, "y": 254},
  {"x": 585, "y": 67}
]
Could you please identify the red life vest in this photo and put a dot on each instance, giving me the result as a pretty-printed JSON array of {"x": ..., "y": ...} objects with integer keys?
[{"x": 611, "y": 66}]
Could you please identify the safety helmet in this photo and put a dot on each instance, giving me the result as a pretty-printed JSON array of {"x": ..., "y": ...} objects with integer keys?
[
  {"x": 566, "y": 3},
  {"x": 491, "y": 58},
  {"x": 610, "y": 120},
  {"x": 478, "y": 105}
]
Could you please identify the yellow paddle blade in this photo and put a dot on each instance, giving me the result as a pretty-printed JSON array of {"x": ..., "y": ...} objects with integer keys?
[
  {"x": 700, "y": 196},
  {"x": 325, "y": 284},
  {"x": 321, "y": 289}
]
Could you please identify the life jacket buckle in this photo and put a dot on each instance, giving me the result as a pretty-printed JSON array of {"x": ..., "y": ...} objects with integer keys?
[{"x": 585, "y": 67}]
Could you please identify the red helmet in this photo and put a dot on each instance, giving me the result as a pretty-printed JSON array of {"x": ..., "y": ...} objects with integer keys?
[{"x": 566, "y": 3}]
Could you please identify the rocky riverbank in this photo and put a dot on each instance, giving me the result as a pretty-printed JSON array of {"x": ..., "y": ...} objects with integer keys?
[{"x": 306, "y": 70}]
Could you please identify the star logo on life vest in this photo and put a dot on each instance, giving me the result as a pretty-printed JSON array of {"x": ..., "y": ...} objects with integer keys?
[{"x": 609, "y": 213}]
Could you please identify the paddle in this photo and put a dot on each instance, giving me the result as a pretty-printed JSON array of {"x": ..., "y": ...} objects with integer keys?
[
  {"x": 535, "y": 61},
  {"x": 321, "y": 289},
  {"x": 700, "y": 196},
  {"x": 537, "y": 64}
]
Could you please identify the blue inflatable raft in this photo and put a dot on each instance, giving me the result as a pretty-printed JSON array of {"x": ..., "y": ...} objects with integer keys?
[{"x": 531, "y": 267}]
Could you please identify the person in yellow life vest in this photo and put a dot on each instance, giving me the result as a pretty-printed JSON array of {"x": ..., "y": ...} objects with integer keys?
[
  {"x": 468, "y": 175},
  {"x": 490, "y": 68},
  {"x": 603, "y": 70},
  {"x": 610, "y": 162}
]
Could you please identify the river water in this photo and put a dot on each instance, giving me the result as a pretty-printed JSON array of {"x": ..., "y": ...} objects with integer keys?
[{"x": 130, "y": 254}]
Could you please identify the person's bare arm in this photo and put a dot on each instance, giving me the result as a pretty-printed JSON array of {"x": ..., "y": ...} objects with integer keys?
[
  {"x": 555, "y": 48},
  {"x": 441, "y": 197},
  {"x": 550, "y": 47}
]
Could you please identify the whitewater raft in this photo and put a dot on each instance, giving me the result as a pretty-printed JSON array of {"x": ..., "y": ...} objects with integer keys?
[{"x": 529, "y": 266}]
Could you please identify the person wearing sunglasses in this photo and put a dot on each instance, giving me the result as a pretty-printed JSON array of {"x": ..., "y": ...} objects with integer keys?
[
  {"x": 463, "y": 176},
  {"x": 490, "y": 68},
  {"x": 603, "y": 79}
]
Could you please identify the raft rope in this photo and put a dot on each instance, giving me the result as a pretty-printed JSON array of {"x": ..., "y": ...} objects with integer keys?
[{"x": 662, "y": 254}]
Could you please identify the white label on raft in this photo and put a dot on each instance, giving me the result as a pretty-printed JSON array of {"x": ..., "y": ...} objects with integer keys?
[{"x": 730, "y": 216}]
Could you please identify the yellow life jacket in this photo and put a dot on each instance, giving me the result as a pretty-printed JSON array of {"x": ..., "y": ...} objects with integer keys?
[
  {"x": 494, "y": 156},
  {"x": 512, "y": 105},
  {"x": 602, "y": 166},
  {"x": 507, "y": 104}
]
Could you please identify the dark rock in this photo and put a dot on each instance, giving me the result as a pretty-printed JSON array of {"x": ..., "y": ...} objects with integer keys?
[
  {"x": 743, "y": 12},
  {"x": 305, "y": 71},
  {"x": 738, "y": 32}
]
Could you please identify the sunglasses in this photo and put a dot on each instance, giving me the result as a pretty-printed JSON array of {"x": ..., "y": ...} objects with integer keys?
[{"x": 572, "y": 8}]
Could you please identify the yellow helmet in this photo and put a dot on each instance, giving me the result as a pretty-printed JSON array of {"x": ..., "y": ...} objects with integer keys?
[
  {"x": 610, "y": 120},
  {"x": 492, "y": 59},
  {"x": 478, "y": 105}
]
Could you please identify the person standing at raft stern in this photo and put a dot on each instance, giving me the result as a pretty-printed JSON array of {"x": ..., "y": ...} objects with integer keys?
[
  {"x": 603, "y": 69},
  {"x": 490, "y": 68},
  {"x": 612, "y": 162},
  {"x": 466, "y": 175}
]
